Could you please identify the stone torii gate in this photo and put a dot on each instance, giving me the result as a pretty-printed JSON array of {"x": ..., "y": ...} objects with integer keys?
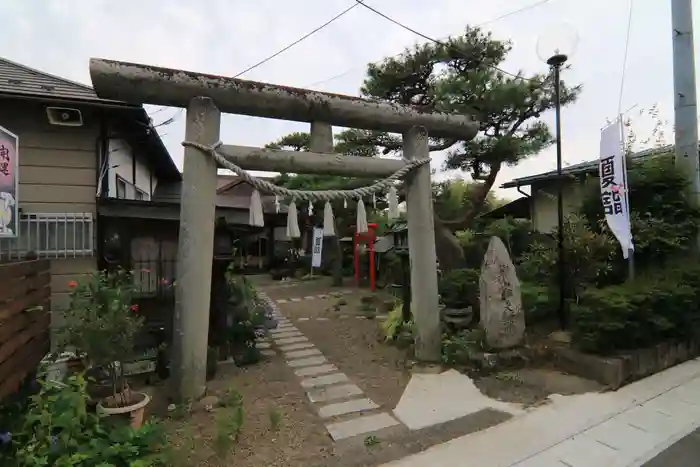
[{"x": 205, "y": 97}]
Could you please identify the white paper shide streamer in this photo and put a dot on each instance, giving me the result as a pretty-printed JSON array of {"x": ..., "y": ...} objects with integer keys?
[
  {"x": 328, "y": 220},
  {"x": 393, "y": 202},
  {"x": 255, "y": 211},
  {"x": 361, "y": 217},
  {"x": 292, "y": 221}
]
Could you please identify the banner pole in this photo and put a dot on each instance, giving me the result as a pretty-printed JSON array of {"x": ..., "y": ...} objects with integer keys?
[{"x": 630, "y": 251}]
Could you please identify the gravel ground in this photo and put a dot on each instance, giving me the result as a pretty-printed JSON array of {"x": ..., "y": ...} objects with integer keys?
[
  {"x": 281, "y": 428},
  {"x": 269, "y": 393}
]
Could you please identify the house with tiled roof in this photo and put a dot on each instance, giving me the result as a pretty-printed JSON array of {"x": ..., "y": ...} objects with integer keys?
[{"x": 74, "y": 149}]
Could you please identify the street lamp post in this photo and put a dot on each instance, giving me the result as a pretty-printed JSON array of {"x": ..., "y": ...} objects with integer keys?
[
  {"x": 549, "y": 48},
  {"x": 555, "y": 62}
]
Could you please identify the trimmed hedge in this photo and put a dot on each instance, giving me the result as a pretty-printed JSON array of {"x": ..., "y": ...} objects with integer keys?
[{"x": 652, "y": 309}]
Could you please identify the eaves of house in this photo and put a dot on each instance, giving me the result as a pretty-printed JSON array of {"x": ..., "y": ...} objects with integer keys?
[
  {"x": 18, "y": 81},
  {"x": 581, "y": 168}
]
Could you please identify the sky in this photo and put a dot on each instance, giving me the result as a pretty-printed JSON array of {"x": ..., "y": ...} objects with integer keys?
[{"x": 227, "y": 36}]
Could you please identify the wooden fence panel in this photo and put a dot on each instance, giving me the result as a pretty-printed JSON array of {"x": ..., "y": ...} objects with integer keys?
[{"x": 25, "y": 297}]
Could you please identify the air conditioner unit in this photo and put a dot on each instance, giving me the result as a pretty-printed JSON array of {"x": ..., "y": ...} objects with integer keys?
[{"x": 64, "y": 116}]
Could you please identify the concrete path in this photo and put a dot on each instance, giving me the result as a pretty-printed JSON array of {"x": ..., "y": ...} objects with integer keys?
[
  {"x": 346, "y": 411},
  {"x": 626, "y": 428}
]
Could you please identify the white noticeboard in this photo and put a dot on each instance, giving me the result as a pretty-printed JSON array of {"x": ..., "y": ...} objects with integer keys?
[
  {"x": 9, "y": 184},
  {"x": 317, "y": 248}
]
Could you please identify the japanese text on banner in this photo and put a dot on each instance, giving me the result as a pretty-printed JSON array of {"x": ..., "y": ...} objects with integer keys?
[{"x": 613, "y": 192}]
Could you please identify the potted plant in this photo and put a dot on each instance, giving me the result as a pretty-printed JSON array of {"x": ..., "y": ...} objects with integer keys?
[{"x": 101, "y": 325}]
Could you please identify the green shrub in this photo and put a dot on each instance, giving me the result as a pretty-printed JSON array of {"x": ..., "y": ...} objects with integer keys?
[
  {"x": 58, "y": 430},
  {"x": 664, "y": 222},
  {"x": 394, "y": 326},
  {"x": 540, "y": 302},
  {"x": 459, "y": 348},
  {"x": 459, "y": 288},
  {"x": 588, "y": 257},
  {"x": 638, "y": 314},
  {"x": 517, "y": 234}
]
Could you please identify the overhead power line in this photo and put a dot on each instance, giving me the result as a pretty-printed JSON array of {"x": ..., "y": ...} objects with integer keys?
[
  {"x": 491, "y": 21},
  {"x": 178, "y": 114},
  {"x": 435, "y": 41},
  {"x": 301, "y": 39},
  {"x": 624, "y": 58}
]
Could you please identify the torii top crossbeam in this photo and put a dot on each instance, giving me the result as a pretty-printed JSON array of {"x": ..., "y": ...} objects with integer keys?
[{"x": 145, "y": 84}]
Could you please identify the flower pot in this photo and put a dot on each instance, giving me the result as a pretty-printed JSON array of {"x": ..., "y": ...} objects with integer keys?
[{"x": 134, "y": 411}]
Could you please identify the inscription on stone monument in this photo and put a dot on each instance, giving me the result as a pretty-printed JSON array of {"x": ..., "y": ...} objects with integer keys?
[{"x": 501, "y": 310}]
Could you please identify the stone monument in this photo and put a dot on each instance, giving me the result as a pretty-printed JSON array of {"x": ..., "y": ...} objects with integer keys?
[{"x": 501, "y": 309}]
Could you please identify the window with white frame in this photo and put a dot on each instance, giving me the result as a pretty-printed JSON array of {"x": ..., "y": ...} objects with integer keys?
[
  {"x": 51, "y": 235},
  {"x": 121, "y": 188}
]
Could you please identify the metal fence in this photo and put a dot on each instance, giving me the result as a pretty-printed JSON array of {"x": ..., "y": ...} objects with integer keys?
[{"x": 51, "y": 235}]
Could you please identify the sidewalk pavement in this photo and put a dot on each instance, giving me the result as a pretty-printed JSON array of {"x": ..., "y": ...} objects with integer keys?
[{"x": 625, "y": 428}]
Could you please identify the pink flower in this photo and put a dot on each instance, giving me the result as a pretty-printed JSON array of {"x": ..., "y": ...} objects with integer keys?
[
  {"x": 72, "y": 284},
  {"x": 134, "y": 308}
]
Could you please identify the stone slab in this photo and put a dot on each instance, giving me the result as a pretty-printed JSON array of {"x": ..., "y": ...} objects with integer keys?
[
  {"x": 331, "y": 393},
  {"x": 302, "y": 353},
  {"x": 283, "y": 328},
  {"x": 283, "y": 333},
  {"x": 342, "y": 408},
  {"x": 303, "y": 319},
  {"x": 302, "y": 345},
  {"x": 279, "y": 338},
  {"x": 291, "y": 340},
  {"x": 286, "y": 333},
  {"x": 360, "y": 426},
  {"x": 268, "y": 353},
  {"x": 315, "y": 370},
  {"x": 325, "y": 380},
  {"x": 262, "y": 345},
  {"x": 311, "y": 361},
  {"x": 296, "y": 299},
  {"x": 432, "y": 399},
  {"x": 281, "y": 300}
]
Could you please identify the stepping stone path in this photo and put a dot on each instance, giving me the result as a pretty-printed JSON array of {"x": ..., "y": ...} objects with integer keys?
[
  {"x": 312, "y": 297},
  {"x": 340, "y": 403}
]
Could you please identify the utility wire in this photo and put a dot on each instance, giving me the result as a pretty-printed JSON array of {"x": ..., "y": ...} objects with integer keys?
[
  {"x": 624, "y": 59},
  {"x": 435, "y": 41},
  {"x": 491, "y": 21},
  {"x": 179, "y": 113},
  {"x": 306, "y": 36}
]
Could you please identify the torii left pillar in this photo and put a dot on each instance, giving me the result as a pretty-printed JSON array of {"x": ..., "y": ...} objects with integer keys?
[{"x": 194, "y": 253}]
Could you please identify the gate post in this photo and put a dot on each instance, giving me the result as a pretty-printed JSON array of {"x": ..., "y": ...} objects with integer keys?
[
  {"x": 194, "y": 253},
  {"x": 421, "y": 244}
]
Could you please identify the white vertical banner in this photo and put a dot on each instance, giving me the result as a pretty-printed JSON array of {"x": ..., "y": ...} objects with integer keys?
[
  {"x": 613, "y": 189},
  {"x": 317, "y": 249}
]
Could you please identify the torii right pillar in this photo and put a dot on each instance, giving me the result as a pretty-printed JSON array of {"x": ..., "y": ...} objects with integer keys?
[{"x": 421, "y": 244}]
